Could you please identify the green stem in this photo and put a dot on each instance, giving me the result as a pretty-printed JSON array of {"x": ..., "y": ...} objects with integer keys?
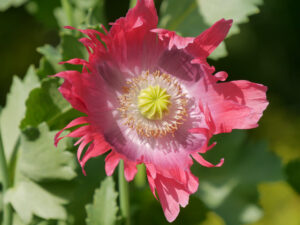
[
  {"x": 7, "y": 210},
  {"x": 132, "y": 3},
  {"x": 124, "y": 194},
  {"x": 140, "y": 178}
]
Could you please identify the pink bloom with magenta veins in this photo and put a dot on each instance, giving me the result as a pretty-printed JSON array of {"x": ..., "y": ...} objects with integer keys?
[{"x": 150, "y": 97}]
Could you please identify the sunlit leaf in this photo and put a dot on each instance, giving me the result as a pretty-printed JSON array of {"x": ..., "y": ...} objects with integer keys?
[
  {"x": 39, "y": 160},
  {"x": 28, "y": 199},
  {"x": 194, "y": 16},
  {"x": 95, "y": 11},
  {"x": 231, "y": 191},
  {"x": 14, "y": 110},
  {"x": 280, "y": 203},
  {"x": 104, "y": 208},
  {"x": 82, "y": 14},
  {"x": 82, "y": 189},
  {"x": 5, "y": 4},
  {"x": 45, "y": 68},
  {"x": 46, "y": 104},
  {"x": 52, "y": 55}
]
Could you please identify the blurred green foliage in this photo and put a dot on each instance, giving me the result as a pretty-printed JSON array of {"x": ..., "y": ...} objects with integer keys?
[{"x": 259, "y": 182}]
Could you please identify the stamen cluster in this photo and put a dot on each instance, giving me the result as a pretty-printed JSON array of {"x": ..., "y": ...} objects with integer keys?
[{"x": 145, "y": 125}]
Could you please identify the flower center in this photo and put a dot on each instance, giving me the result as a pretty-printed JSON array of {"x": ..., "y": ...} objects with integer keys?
[{"x": 153, "y": 102}]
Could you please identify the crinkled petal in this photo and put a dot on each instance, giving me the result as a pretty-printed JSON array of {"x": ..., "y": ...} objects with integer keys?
[
  {"x": 209, "y": 40},
  {"x": 203, "y": 162},
  {"x": 171, "y": 192},
  {"x": 236, "y": 104},
  {"x": 88, "y": 134},
  {"x": 130, "y": 170},
  {"x": 75, "y": 122},
  {"x": 143, "y": 14},
  {"x": 229, "y": 105},
  {"x": 72, "y": 80},
  {"x": 111, "y": 162},
  {"x": 172, "y": 38}
]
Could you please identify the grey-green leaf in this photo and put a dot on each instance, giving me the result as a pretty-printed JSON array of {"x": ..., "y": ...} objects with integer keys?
[
  {"x": 14, "y": 110},
  {"x": 29, "y": 199},
  {"x": 39, "y": 160},
  {"x": 103, "y": 210}
]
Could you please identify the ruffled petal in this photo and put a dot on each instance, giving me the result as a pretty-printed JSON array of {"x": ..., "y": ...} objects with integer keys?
[
  {"x": 203, "y": 162},
  {"x": 111, "y": 162},
  {"x": 172, "y": 38},
  {"x": 73, "y": 123},
  {"x": 130, "y": 170},
  {"x": 72, "y": 79},
  {"x": 235, "y": 104},
  {"x": 143, "y": 14},
  {"x": 88, "y": 135},
  {"x": 209, "y": 40},
  {"x": 171, "y": 192}
]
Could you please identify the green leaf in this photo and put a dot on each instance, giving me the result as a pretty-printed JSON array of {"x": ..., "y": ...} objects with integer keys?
[
  {"x": 45, "y": 68},
  {"x": 41, "y": 161},
  {"x": 72, "y": 48},
  {"x": 52, "y": 55},
  {"x": 231, "y": 191},
  {"x": 14, "y": 110},
  {"x": 87, "y": 185},
  {"x": 194, "y": 16},
  {"x": 293, "y": 176},
  {"x": 29, "y": 199},
  {"x": 81, "y": 14},
  {"x": 94, "y": 10},
  {"x": 5, "y": 4},
  {"x": 103, "y": 210},
  {"x": 238, "y": 10},
  {"x": 280, "y": 203},
  {"x": 38, "y": 160},
  {"x": 46, "y": 104}
]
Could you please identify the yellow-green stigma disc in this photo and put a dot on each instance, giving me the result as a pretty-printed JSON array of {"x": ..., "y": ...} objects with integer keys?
[{"x": 153, "y": 102}]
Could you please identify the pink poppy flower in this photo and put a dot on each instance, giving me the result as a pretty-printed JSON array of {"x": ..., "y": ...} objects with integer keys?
[{"x": 150, "y": 97}]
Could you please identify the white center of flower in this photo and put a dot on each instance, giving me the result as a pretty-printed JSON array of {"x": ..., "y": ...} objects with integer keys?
[{"x": 153, "y": 104}]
